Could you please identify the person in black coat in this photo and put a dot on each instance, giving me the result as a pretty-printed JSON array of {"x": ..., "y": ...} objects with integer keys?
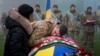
[{"x": 17, "y": 38}]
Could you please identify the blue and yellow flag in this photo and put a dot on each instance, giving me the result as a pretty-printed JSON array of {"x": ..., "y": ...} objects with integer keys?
[{"x": 48, "y": 10}]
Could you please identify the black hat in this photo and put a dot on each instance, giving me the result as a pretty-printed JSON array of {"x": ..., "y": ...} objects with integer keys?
[{"x": 89, "y": 7}]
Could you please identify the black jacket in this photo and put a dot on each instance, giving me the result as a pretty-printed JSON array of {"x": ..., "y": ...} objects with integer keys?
[{"x": 17, "y": 39}]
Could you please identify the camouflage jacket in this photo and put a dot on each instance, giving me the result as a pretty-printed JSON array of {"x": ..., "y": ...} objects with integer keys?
[
  {"x": 88, "y": 27},
  {"x": 41, "y": 29},
  {"x": 59, "y": 15},
  {"x": 72, "y": 26}
]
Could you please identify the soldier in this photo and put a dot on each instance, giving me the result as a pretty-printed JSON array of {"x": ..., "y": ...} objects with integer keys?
[
  {"x": 38, "y": 15},
  {"x": 88, "y": 22},
  {"x": 40, "y": 29},
  {"x": 56, "y": 13},
  {"x": 72, "y": 19}
]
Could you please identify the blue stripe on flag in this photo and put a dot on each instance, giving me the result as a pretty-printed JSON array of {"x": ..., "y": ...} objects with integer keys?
[{"x": 48, "y": 5}]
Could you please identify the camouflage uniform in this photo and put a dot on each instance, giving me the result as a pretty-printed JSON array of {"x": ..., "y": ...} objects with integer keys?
[
  {"x": 88, "y": 29},
  {"x": 41, "y": 15},
  {"x": 73, "y": 28},
  {"x": 58, "y": 14},
  {"x": 41, "y": 29}
]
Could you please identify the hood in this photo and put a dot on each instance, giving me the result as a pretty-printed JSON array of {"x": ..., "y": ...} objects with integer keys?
[
  {"x": 25, "y": 23},
  {"x": 9, "y": 23}
]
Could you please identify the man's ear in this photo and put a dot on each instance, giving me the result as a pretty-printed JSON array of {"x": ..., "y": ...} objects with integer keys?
[{"x": 31, "y": 17}]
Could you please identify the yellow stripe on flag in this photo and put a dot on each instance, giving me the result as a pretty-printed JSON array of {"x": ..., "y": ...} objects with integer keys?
[
  {"x": 48, "y": 10},
  {"x": 48, "y": 14},
  {"x": 46, "y": 52}
]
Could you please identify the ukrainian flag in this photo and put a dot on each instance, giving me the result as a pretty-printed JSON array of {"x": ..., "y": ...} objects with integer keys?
[
  {"x": 56, "y": 50},
  {"x": 48, "y": 10}
]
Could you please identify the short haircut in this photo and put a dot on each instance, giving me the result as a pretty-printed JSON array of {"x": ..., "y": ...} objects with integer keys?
[
  {"x": 63, "y": 29},
  {"x": 25, "y": 10},
  {"x": 55, "y": 6},
  {"x": 73, "y": 5},
  {"x": 89, "y": 7}
]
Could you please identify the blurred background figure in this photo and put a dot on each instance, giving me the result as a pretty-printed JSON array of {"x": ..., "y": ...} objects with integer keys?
[
  {"x": 56, "y": 13},
  {"x": 3, "y": 19},
  {"x": 71, "y": 20},
  {"x": 88, "y": 22},
  {"x": 38, "y": 14}
]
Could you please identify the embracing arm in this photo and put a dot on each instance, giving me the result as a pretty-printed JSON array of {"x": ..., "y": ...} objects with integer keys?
[{"x": 20, "y": 19}]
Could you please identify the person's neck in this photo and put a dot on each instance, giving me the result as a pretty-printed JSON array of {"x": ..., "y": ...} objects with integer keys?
[
  {"x": 56, "y": 11},
  {"x": 38, "y": 11},
  {"x": 72, "y": 11},
  {"x": 89, "y": 13}
]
